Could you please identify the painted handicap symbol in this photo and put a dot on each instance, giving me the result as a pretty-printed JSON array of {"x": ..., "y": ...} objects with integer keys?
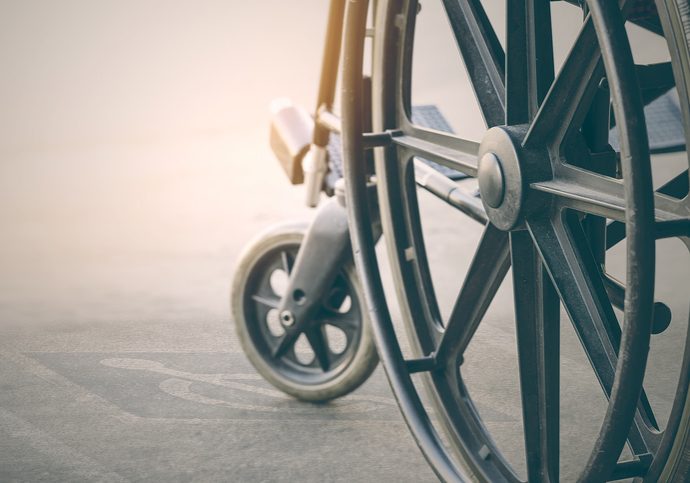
[{"x": 180, "y": 384}]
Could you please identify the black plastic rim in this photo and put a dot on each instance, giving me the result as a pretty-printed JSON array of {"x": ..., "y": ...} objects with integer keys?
[
  {"x": 341, "y": 310},
  {"x": 554, "y": 237}
]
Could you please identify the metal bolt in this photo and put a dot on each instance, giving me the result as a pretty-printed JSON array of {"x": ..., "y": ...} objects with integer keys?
[
  {"x": 287, "y": 318},
  {"x": 491, "y": 182}
]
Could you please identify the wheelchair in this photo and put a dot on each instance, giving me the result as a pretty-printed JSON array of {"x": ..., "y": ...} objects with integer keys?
[{"x": 563, "y": 179}]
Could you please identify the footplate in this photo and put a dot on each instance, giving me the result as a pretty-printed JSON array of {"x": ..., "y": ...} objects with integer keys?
[
  {"x": 664, "y": 120},
  {"x": 428, "y": 116}
]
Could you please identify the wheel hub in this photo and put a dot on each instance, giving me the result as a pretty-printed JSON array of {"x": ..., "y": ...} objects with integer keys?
[
  {"x": 505, "y": 171},
  {"x": 287, "y": 318},
  {"x": 500, "y": 177}
]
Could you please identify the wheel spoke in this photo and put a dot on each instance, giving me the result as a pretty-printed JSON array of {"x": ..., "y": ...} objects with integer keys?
[
  {"x": 287, "y": 261},
  {"x": 537, "y": 314},
  {"x": 589, "y": 310},
  {"x": 266, "y": 301},
  {"x": 675, "y": 188},
  {"x": 566, "y": 103},
  {"x": 335, "y": 299},
  {"x": 319, "y": 344},
  {"x": 482, "y": 54},
  {"x": 284, "y": 343},
  {"x": 488, "y": 269},
  {"x": 529, "y": 60},
  {"x": 613, "y": 328},
  {"x": 570, "y": 96},
  {"x": 574, "y": 272},
  {"x": 589, "y": 192},
  {"x": 446, "y": 149},
  {"x": 346, "y": 322}
]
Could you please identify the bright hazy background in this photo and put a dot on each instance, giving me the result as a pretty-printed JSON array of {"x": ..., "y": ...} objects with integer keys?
[{"x": 134, "y": 161}]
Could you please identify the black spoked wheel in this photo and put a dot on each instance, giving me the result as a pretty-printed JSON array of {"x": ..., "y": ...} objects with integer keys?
[
  {"x": 549, "y": 181},
  {"x": 334, "y": 354}
]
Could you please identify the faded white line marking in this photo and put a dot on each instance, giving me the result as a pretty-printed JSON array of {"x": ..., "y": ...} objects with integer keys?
[
  {"x": 37, "y": 369},
  {"x": 351, "y": 403},
  {"x": 83, "y": 467},
  {"x": 182, "y": 389}
]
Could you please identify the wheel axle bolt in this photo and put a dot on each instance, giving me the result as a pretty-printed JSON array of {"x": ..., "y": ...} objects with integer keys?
[
  {"x": 287, "y": 318},
  {"x": 491, "y": 182}
]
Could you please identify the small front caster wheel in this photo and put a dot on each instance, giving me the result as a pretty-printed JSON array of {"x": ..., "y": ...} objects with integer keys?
[{"x": 334, "y": 354}]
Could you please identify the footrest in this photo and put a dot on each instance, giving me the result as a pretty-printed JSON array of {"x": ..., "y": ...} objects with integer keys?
[
  {"x": 664, "y": 125},
  {"x": 428, "y": 116}
]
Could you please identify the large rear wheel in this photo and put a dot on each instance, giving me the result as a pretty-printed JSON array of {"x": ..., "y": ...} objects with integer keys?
[{"x": 556, "y": 196}]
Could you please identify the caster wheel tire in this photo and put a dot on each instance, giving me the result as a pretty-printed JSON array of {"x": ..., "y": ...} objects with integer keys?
[{"x": 334, "y": 356}]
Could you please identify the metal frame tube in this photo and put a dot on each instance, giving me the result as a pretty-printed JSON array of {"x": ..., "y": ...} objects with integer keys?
[{"x": 329, "y": 67}]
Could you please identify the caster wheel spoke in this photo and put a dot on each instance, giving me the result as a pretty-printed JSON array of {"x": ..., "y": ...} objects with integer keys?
[
  {"x": 287, "y": 261},
  {"x": 285, "y": 344},
  {"x": 345, "y": 322},
  {"x": 272, "y": 302},
  {"x": 319, "y": 344}
]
